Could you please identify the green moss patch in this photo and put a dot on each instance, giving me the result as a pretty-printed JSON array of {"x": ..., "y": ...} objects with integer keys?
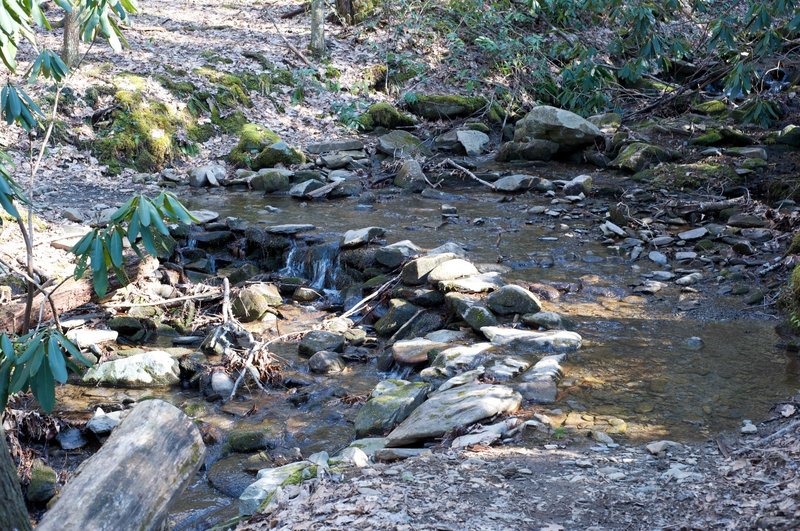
[
  {"x": 686, "y": 175},
  {"x": 253, "y": 138},
  {"x": 384, "y": 115},
  {"x": 437, "y": 107}
]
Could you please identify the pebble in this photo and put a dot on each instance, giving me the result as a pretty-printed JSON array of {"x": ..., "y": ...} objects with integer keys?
[
  {"x": 657, "y": 257},
  {"x": 694, "y": 234},
  {"x": 689, "y": 279},
  {"x": 749, "y": 428}
]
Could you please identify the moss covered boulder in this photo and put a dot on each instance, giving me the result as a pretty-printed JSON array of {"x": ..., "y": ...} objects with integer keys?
[
  {"x": 252, "y": 302},
  {"x": 437, "y": 107},
  {"x": 640, "y": 156},
  {"x": 44, "y": 481},
  {"x": 696, "y": 175},
  {"x": 253, "y": 139},
  {"x": 390, "y": 403},
  {"x": 384, "y": 115},
  {"x": 277, "y": 153},
  {"x": 719, "y": 136},
  {"x": 143, "y": 132}
]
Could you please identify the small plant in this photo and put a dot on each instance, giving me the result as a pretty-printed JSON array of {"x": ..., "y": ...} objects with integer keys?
[
  {"x": 559, "y": 433},
  {"x": 348, "y": 115}
]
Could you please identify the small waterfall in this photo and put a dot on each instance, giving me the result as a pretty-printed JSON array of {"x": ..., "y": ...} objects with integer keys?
[
  {"x": 318, "y": 263},
  {"x": 295, "y": 260},
  {"x": 212, "y": 264},
  {"x": 399, "y": 372}
]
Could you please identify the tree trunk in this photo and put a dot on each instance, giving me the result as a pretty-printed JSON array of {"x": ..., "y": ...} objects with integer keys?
[
  {"x": 70, "y": 47},
  {"x": 13, "y": 514},
  {"x": 318, "y": 28},
  {"x": 129, "y": 484},
  {"x": 344, "y": 8}
]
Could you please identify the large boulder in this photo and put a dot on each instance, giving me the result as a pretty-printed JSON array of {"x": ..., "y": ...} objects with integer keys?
[
  {"x": 513, "y": 299},
  {"x": 437, "y": 107},
  {"x": 278, "y": 153},
  {"x": 358, "y": 237},
  {"x": 385, "y": 115},
  {"x": 458, "y": 407},
  {"x": 410, "y": 176},
  {"x": 254, "y": 301},
  {"x": 564, "y": 128},
  {"x": 390, "y": 403},
  {"x": 402, "y": 144},
  {"x": 535, "y": 149},
  {"x": 319, "y": 340},
  {"x": 149, "y": 369},
  {"x": 271, "y": 180},
  {"x": 451, "y": 270}
]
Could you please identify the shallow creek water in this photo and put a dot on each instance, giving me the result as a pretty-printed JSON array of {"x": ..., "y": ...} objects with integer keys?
[{"x": 636, "y": 363}]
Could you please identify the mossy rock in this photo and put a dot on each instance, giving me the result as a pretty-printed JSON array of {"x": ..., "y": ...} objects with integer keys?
[
  {"x": 231, "y": 122},
  {"x": 232, "y": 89},
  {"x": 384, "y": 115},
  {"x": 277, "y": 153},
  {"x": 640, "y": 156},
  {"x": 144, "y": 130},
  {"x": 253, "y": 139},
  {"x": 690, "y": 176},
  {"x": 437, "y": 107},
  {"x": 711, "y": 107},
  {"x": 717, "y": 136},
  {"x": 794, "y": 247}
]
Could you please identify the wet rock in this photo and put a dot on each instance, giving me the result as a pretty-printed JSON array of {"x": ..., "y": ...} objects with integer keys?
[
  {"x": 86, "y": 337},
  {"x": 448, "y": 247},
  {"x": 506, "y": 368},
  {"x": 150, "y": 369},
  {"x": 478, "y": 317},
  {"x": 254, "y": 301},
  {"x": 410, "y": 176},
  {"x": 390, "y": 403},
  {"x": 458, "y": 407},
  {"x": 582, "y": 184},
  {"x": 549, "y": 339},
  {"x": 43, "y": 482},
  {"x": 400, "y": 312},
  {"x": 416, "y": 271},
  {"x": 319, "y": 340},
  {"x": 473, "y": 142},
  {"x": 396, "y": 253},
  {"x": 538, "y": 392},
  {"x": 269, "y": 480},
  {"x": 208, "y": 175},
  {"x": 416, "y": 351},
  {"x": 565, "y": 128},
  {"x": 358, "y": 237},
  {"x": 513, "y": 299},
  {"x": 303, "y": 294},
  {"x": 326, "y": 362},
  {"x": 516, "y": 183},
  {"x": 545, "y": 320},
  {"x": 640, "y": 156},
  {"x": 306, "y": 187},
  {"x": 229, "y": 476},
  {"x": 448, "y": 336},
  {"x": 128, "y": 327},
  {"x": 459, "y": 359},
  {"x": 222, "y": 383},
  {"x": 451, "y": 270},
  {"x": 402, "y": 144},
  {"x": 102, "y": 423},
  {"x": 71, "y": 439},
  {"x": 421, "y": 324},
  {"x": 270, "y": 180},
  {"x": 212, "y": 238}
]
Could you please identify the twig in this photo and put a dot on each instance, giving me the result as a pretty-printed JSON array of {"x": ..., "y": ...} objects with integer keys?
[
  {"x": 369, "y": 297},
  {"x": 403, "y": 328},
  {"x": 289, "y": 45},
  {"x": 201, "y": 296},
  {"x": 468, "y": 173}
]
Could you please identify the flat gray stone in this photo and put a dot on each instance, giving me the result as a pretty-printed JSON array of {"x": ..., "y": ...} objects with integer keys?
[{"x": 545, "y": 340}]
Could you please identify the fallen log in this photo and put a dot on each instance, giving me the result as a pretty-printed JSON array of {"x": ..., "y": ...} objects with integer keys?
[
  {"x": 69, "y": 296},
  {"x": 129, "y": 484}
]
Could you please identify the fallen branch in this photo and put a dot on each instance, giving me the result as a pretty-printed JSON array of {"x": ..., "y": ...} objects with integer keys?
[
  {"x": 704, "y": 208},
  {"x": 165, "y": 302},
  {"x": 289, "y": 45},
  {"x": 468, "y": 173},
  {"x": 305, "y": 8},
  {"x": 360, "y": 304}
]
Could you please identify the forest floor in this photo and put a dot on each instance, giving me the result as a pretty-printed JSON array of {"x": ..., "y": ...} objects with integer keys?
[{"x": 730, "y": 483}]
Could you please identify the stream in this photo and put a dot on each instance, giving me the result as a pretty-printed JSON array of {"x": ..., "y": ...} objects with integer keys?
[{"x": 641, "y": 359}]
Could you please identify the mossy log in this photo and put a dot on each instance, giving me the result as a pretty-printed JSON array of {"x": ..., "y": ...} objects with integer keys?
[{"x": 129, "y": 484}]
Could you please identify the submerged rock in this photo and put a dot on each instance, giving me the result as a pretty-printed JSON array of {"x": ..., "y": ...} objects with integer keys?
[
  {"x": 150, "y": 369},
  {"x": 458, "y": 407},
  {"x": 390, "y": 403}
]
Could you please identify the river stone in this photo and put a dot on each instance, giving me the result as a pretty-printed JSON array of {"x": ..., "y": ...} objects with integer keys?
[
  {"x": 351, "y": 456},
  {"x": 43, "y": 483},
  {"x": 400, "y": 312},
  {"x": 462, "y": 358},
  {"x": 208, "y": 175},
  {"x": 448, "y": 336},
  {"x": 221, "y": 383},
  {"x": 515, "y": 183},
  {"x": 369, "y": 445},
  {"x": 319, "y": 340},
  {"x": 339, "y": 145},
  {"x": 455, "y": 408},
  {"x": 478, "y": 317},
  {"x": 640, "y": 156},
  {"x": 506, "y": 368},
  {"x": 278, "y": 153},
  {"x": 549, "y": 339},
  {"x": 86, "y": 337},
  {"x": 229, "y": 476},
  {"x": 102, "y": 423},
  {"x": 513, "y": 299},
  {"x": 289, "y": 229},
  {"x": 565, "y": 128},
  {"x": 130, "y": 328},
  {"x": 451, "y": 270},
  {"x": 546, "y": 320},
  {"x": 149, "y": 369},
  {"x": 535, "y": 149},
  {"x": 426, "y": 297},
  {"x": 448, "y": 247},
  {"x": 255, "y": 300},
  {"x": 390, "y": 403},
  {"x": 204, "y": 216},
  {"x": 326, "y": 362},
  {"x": 357, "y": 237},
  {"x": 693, "y": 234},
  {"x": 271, "y": 180},
  {"x": 306, "y": 187},
  {"x": 416, "y": 271},
  {"x": 482, "y": 283},
  {"x": 421, "y": 324},
  {"x": 303, "y": 294},
  {"x": 212, "y": 238},
  {"x": 410, "y": 176},
  {"x": 473, "y": 142},
  {"x": 396, "y": 253},
  {"x": 335, "y": 161},
  {"x": 269, "y": 480},
  {"x": 538, "y": 392},
  {"x": 401, "y": 144},
  {"x": 582, "y": 184},
  {"x": 415, "y": 351},
  {"x": 746, "y": 221}
]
